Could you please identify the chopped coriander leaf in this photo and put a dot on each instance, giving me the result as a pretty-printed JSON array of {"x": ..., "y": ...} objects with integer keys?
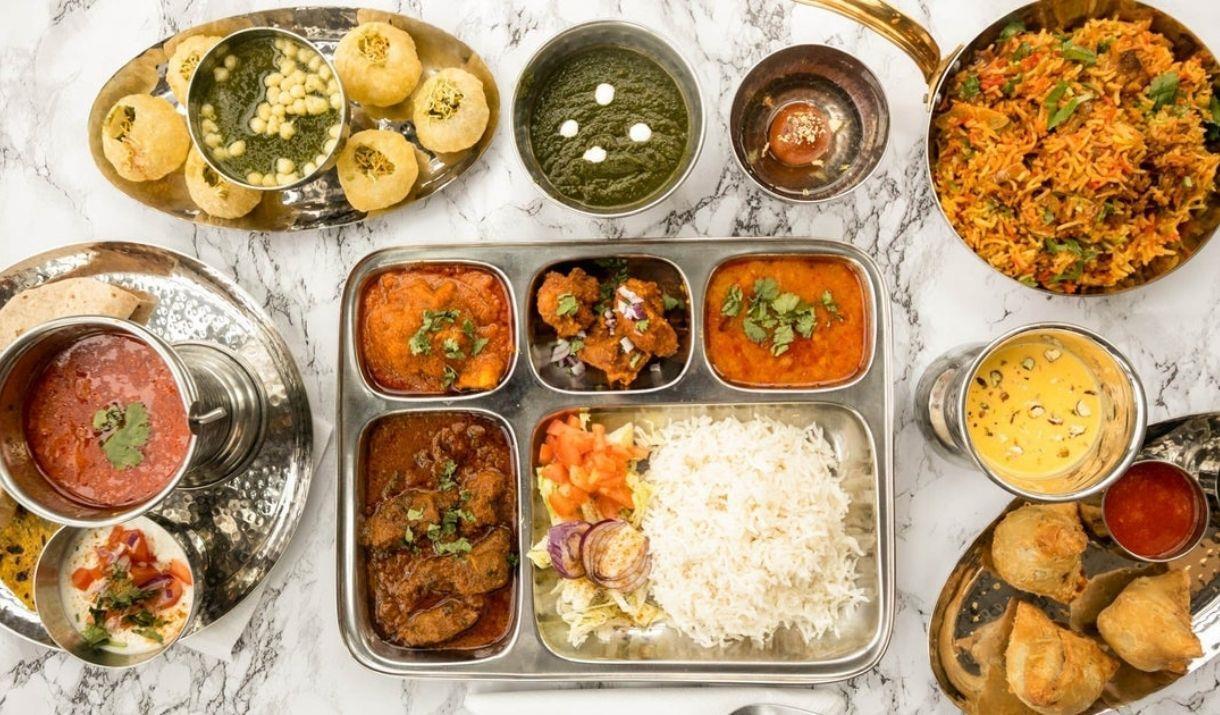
[
  {"x": 95, "y": 635},
  {"x": 672, "y": 303},
  {"x": 477, "y": 347},
  {"x": 568, "y": 305},
  {"x": 458, "y": 546},
  {"x": 766, "y": 289},
  {"x": 969, "y": 88},
  {"x": 1104, "y": 46},
  {"x": 151, "y": 634},
  {"x": 123, "y": 431},
  {"x": 513, "y": 560},
  {"x": 453, "y": 350},
  {"x": 420, "y": 343},
  {"x": 806, "y": 322},
  {"x": 575, "y": 345},
  {"x": 448, "y": 469},
  {"x": 732, "y": 302},
  {"x": 415, "y": 514},
  {"x": 1076, "y": 53},
  {"x": 1012, "y": 29},
  {"x": 786, "y": 303},
  {"x": 781, "y": 339},
  {"x": 468, "y": 328},
  {"x": 1163, "y": 90},
  {"x": 641, "y": 326},
  {"x": 408, "y": 537},
  {"x": 828, "y": 302},
  {"x": 754, "y": 331},
  {"x": 449, "y": 377}
]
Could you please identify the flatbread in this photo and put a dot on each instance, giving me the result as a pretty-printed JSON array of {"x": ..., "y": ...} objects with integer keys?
[{"x": 61, "y": 299}]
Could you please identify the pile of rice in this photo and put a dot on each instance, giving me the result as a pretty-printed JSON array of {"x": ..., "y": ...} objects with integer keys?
[
  {"x": 746, "y": 525},
  {"x": 1097, "y": 199}
]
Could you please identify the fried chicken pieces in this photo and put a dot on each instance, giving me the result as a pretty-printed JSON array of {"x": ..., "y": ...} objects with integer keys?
[
  {"x": 1037, "y": 548},
  {"x": 1148, "y": 625},
  {"x": 621, "y": 323}
]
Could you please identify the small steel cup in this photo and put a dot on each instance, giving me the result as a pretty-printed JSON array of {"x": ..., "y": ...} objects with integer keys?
[
  {"x": 48, "y": 600},
  {"x": 940, "y": 404},
  {"x": 839, "y": 84},
  {"x": 1203, "y": 516},
  {"x": 612, "y": 33},
  {"x": 209, "y": 61},
  {"x": 224, "y": 404}
]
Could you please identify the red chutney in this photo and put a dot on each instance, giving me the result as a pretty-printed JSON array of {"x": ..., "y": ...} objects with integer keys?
[
  {"x": 1152, "y": 509},
  {"x": 96, "y": 374}
]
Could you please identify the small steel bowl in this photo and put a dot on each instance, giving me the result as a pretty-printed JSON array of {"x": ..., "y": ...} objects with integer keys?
[
  {"x": 48, "y": 597},
  {"x": 834, "y": 81},
  {"x": 603, "y": 33},
  {"x": 215, "y": 56},
  {"x": 225, "y": 411},
  {"x": 1203, "y": 515}
]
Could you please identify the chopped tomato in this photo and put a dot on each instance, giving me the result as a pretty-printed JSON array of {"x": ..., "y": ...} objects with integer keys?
[
  {"x": 170, "y": 594},
  {"x": 83, "y": 578},
  {"x": 143, "y": 573},
  {"x": 141, "y": 552},
  {"x": 180, "y": 571},
  {"x": 586, "y": 467}
]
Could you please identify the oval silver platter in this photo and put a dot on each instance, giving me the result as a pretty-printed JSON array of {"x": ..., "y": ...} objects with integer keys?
[
  {"x": 968, "y": 625},
  {"x": 320, "y": 203},
  {"x": 244, "y": 524},
  {"x": 857, "y": 418}
]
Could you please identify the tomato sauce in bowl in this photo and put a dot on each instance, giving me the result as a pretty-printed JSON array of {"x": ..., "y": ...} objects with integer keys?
[
  {"x": 105, "y": 422},
  {"x": 1156, "y": 511}
]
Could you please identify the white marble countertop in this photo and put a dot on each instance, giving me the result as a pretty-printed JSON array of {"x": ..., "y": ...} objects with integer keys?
[{"x": 54, "y": 55}]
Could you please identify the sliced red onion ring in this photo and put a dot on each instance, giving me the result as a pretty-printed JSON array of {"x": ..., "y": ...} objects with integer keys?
[
  {"x": 563, "y": 544},
  {"x": 616, "y": 555},
  {"x": 158, "y": 581}
]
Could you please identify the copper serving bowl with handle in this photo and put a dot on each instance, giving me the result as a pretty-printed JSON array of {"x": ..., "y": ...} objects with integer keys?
[{"x": 938, "y": 68}]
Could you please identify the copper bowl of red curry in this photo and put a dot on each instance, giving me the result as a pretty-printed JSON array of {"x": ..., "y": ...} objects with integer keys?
[{"x": 100, "y": 418}]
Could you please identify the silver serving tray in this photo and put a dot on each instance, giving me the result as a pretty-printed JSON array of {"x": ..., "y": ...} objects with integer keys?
[
  {"x": 974, "y": 597},
  {"x": 319, "y": 203},
  {"x": 242, "y": 525},
  {"x": 858, "y": 418}
]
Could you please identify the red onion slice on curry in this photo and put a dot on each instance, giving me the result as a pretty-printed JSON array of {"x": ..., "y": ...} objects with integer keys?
[{"x": 105, "y": 422}]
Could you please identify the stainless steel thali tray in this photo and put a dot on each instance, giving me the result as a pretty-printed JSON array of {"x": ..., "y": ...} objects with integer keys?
[
  {"x": 244, "y": 524},
  {"x": 857, "y": 417},
  {"x": 320, "y": 203},
  {"x": 966, "y": 624}
]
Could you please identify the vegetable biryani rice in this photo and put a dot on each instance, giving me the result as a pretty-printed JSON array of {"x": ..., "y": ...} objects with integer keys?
[{"x": 1073, "y": 161}]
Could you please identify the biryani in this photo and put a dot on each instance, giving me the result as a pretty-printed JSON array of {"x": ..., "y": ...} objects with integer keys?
[{"x": 1074, "y": 161}]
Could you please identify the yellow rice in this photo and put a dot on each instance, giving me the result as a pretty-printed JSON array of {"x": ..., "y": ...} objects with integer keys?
[{"x": 1099, "y": 197}]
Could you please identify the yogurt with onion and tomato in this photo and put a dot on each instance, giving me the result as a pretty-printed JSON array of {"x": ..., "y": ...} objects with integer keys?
[{"x": 127, "y": 589}]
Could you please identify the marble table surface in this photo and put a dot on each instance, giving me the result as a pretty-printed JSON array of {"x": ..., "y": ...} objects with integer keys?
[{"x": 55, "y": 54}]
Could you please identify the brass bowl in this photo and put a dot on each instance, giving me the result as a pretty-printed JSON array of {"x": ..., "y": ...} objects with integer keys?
[
  {"x": 834, "y": 81},
  {"x": 919, "y": 44}
]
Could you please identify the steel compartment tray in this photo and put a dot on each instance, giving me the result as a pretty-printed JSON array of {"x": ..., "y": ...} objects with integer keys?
[{"x": 859, "y": 415}]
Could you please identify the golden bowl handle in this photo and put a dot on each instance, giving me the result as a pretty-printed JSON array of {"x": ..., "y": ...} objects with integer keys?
[{"x": 896, "y": 27}]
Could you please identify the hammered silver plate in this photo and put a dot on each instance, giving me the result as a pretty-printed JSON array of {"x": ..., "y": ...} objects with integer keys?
[
  {"x": 319, "y": 203},
  {"x": 967, "y": 619},
  {"x": 857, "y": 416},
  {"x": 244, "y": 524}
]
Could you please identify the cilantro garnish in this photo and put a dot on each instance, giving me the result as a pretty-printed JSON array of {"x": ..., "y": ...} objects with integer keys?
[
  {"x": 568, "y": 305},
  {"x": 452, "y": 349},
  {"x": 1012, "y": 29},
  {"x": 448, "y": 469},
  {"x": 448, "y": 377},
  {"x": 641, "y": 326},
  {"x": 1163, "y": 90},
  {"x": 458, "y": 546},
  {"x": 672, "y": 303},
  {"x": 1076, "y": 53},
  {"x": 123, "y": 432},
  {"x": 732, "y": 302},
  {"x": 969, "y": 88}
]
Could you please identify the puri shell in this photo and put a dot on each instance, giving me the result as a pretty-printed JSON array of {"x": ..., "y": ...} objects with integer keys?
[
  {"x": 215, "y": 195},
  {"x": 144, "y": 138},
  {"x": 377, "y": 169},
  {"x": 183, "y": 62},
  {"x": 377, "y": 64},
  {"x": 450, "y": 111}
]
